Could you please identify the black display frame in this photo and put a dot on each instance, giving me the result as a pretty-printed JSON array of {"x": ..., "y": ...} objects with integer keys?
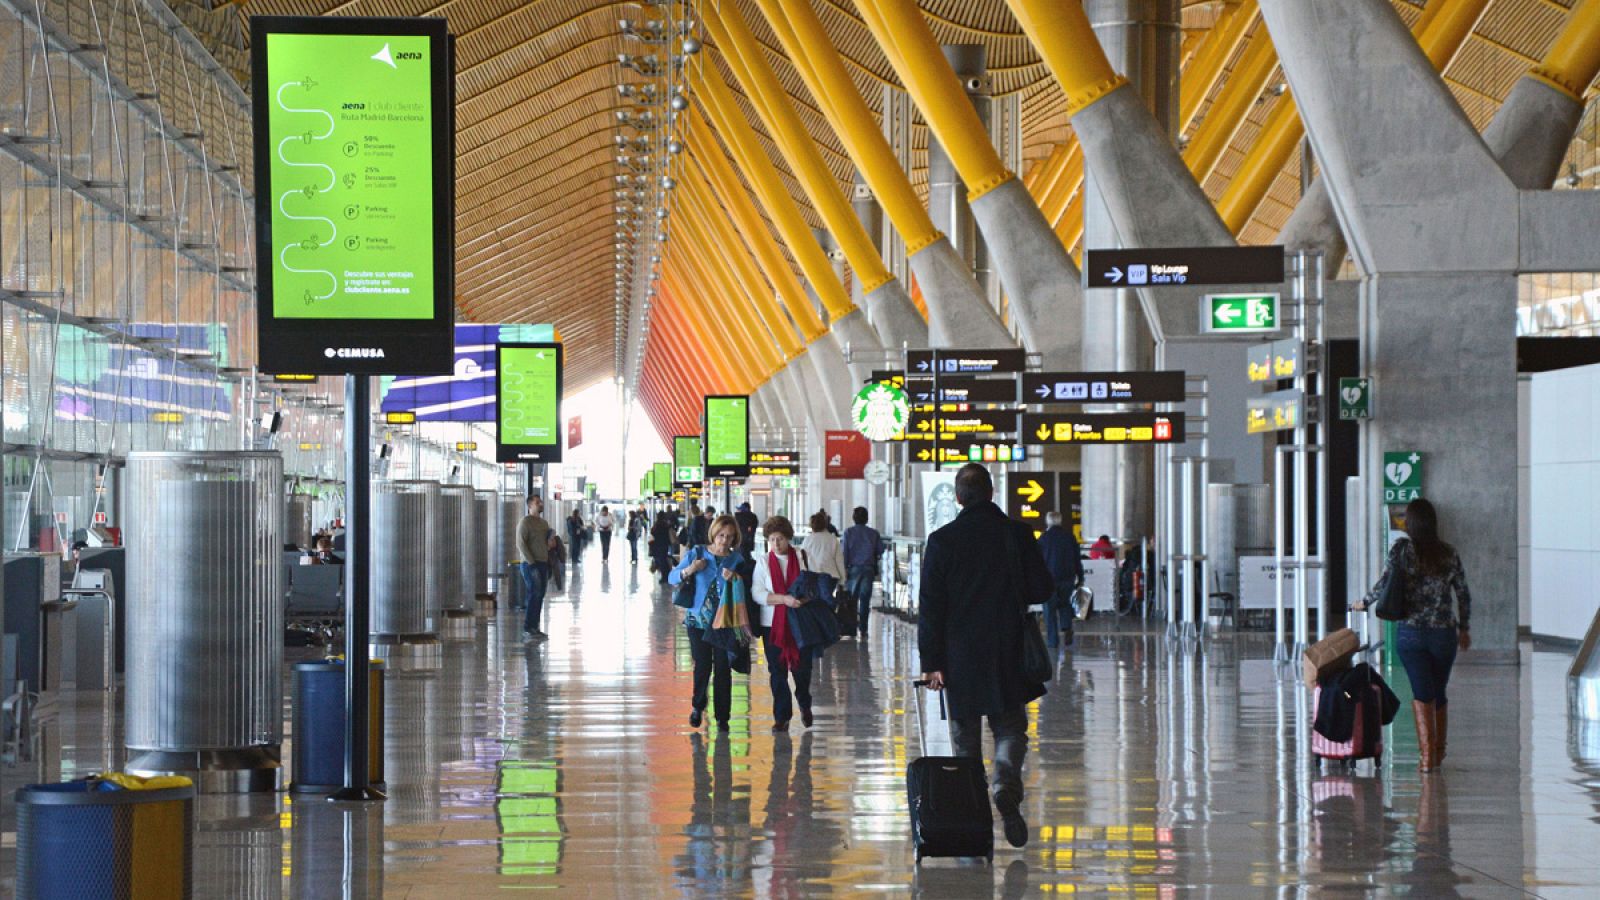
[
  {"x": 707, "y": 471},
  {"x": 528, "y": 453},
  {"x": 376, "y": 346}
]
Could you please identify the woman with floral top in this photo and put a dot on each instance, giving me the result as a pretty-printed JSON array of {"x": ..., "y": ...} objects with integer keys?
[{"x": 1440, "y": 608}]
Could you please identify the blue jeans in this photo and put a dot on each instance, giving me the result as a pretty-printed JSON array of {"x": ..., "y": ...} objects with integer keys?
[
  {"x": 859, "y": 581},
  {"x": 1427, "y": 654},
  {"x": 535, "y": 577}
]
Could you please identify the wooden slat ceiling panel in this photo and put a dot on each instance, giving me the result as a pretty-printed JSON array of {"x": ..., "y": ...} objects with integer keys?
[{"x": 536, "y": 93}]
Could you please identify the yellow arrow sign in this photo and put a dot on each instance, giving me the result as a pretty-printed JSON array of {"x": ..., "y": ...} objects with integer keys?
[
  {"x": 924, "y": 425},
  {"x": 924, "y": 455},
  {"x": 1044, "y": 432},
  {"x": 1031, "y": 492}
]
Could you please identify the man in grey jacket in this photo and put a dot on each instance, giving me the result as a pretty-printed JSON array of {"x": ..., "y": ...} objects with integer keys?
[{"x": 533, "y": 534}]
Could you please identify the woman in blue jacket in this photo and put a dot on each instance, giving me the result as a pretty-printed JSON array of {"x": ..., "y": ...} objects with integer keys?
[{"x": 710, "y": 567}]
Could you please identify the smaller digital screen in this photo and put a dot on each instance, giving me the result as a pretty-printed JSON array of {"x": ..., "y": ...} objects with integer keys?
[
  {"x": 727, "y": 436},
  {"x": 529, "y": 403},
  {"x": 661, "y": 477},
  {"x": 686, "y": 460}
]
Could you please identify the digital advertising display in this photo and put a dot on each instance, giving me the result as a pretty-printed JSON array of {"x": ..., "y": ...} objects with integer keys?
[
  {"x": 467, "y": 393},
  {"x": 686, "y": 468},
  {"x": 353, "y": 144},
  {"x": 727, "y": 437},
  {"x": 528, "y": 403},
  {"x": 661, "y": 477}
]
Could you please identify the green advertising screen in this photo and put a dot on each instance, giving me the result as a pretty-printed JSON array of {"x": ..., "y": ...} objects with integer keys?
[
  {"x": 528, "y": 402},
  {"x": 727, "y": 436},
  {"x": 661, "y": 477},
  {"x": 353, "y": 127},
  {"x": 686, "y": 460}
]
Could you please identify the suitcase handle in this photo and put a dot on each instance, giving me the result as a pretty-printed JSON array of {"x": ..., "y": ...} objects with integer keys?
[{"x": 922, "y": 733}]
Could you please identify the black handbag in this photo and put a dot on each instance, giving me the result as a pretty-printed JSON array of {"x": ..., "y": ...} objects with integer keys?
[
  {"x": 1392, "y": 604},
  {"x": 1037, "y": 667},
  {"x": 684, "y": 596}
]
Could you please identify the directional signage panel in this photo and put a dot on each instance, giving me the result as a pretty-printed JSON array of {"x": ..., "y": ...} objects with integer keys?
[
  {"x": 353, "y": 128},
  {"x": 1103, "y": 428},
  {"x": 1030, "y": 495},
  {"x": 1275, "y": 411},
  {"x": 966, "y": 362},
  {"x": 1275, "y": 360},
  {"x": 976, "y": 421},
  {"x": 964, "y": 389},
  {"x": 1238, "y": 313},
  {"x": 1103, "y": 387},
  {"x": 965, "y": 450},
  {"x": 686, "y": 467},
  {"x": 774, "y": 462},
  {"x": 1182, "y": 265},
  {"x": 528, "y": 403}
]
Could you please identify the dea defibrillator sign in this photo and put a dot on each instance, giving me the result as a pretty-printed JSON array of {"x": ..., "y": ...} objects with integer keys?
[{"x": 880, "y": 411}]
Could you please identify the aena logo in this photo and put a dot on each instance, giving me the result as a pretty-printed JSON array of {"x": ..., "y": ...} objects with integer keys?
[{"x": 354, "y": 352}]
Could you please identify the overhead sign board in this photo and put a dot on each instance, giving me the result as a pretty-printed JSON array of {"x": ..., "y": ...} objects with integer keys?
[
  {"x": 967, "y": 449},
  {"x": 400, "y": 418},
  {"x": 1103, "y": 387},
  {"x": 1029, "y": 495},
  {"x": 963, "y": 389},
  {"x": 1103, "y": 428},
  {"x": 966, "y": 362},
  {"x": 1155, "y": 266},
  {"x": 1238, "y": 313},
  {"x": 1402, "y": 476},
  {"x": 1355, "y": 399},
  {"x": 466, "y": 446},
  {"x": 774, "y": 462},
  {"x": 1275, "y": 411},
  {"x": 528, "y": 403},
  {"x": 686, "y": 467},
  {"x": 727, "y": 436},
  {"x": 354, "y": 135},
  {"x": 976, "y": 421}
]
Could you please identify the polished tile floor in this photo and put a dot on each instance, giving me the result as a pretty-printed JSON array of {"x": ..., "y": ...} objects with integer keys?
[{"x": 570, "y": 768}]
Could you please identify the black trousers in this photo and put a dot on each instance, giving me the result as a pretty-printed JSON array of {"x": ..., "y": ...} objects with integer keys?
[
  {"x": 711, "y": 669},
  {"x": 605, "y": 544},
  {"x": 782, "y": 704}
]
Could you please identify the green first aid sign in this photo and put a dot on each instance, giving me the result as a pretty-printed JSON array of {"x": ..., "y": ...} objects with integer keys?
[
  {"x": 1238, "y": 313},
  {"x": 350, "y": 120},
  {"x": 1402, "y": 476}
]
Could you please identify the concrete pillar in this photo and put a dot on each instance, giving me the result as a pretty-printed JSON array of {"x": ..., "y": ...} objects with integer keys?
[
  {"x": 1433, "y": 225},
  {"x": 947, "y": 195},
  {"x": 1141, "y": 39},
  {"x": 889, "y": 308}
]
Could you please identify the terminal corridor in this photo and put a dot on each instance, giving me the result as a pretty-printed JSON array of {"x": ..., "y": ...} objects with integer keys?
[{"x": 570, "y": 767}]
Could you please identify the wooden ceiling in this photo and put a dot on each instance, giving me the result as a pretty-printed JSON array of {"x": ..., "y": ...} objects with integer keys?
[{"x": 537, "y": 82}]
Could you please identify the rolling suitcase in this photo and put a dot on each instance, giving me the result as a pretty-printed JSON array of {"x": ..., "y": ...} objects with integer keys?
[
  {"x": 1364, "y": 743},
  {"x": 948, "y": 797}
]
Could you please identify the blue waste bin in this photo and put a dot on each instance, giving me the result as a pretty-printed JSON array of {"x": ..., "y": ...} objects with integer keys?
[
  {"x": 93, "y": 839},
  {"x": 317, "y": 760}
]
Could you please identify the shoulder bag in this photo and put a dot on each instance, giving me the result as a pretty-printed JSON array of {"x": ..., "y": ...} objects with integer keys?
[
  {"x": 1393, "y": 605},
  {"x": 1037, "y": 667},
  {"x": 684, "y": 597}
]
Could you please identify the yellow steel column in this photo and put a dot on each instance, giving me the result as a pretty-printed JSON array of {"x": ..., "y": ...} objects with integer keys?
[
  {"x": 1066, "y": 40},
  {"x": 1572, "y": 61},
  {"x": 1232, "y": 106},
  {"x": 1202, "y": 74},
  {"x": 779, "y": 203},
  {"x": 1441, "y": 30},
  {"x": 900, "y": 29},
  {"x": 811, "y": 49},
  {"x": 744, "y": 57}
]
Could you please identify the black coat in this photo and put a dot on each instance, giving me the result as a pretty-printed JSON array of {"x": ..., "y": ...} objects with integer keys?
[{"x": 972, "y": 602}]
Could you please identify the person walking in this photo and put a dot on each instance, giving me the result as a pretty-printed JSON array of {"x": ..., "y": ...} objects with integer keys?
[
  {"x": 775, "y": 574},
  {"x": 1064, "y": 558},
  {"x": 637, "y": 525},
  {"x": 863, "y": 548},
  {"x": 533, "y": 534},
  {"x": 1440, "y": 611},
  {"x": 980, "y": 573},
  {"x": 575, "y": 532},
  {"x": 823, "y": 553},
  {"x": 603, "y": 523},
  {"x": 748, "y": 526},
  {"x": 710, "y": 568},
  {"x": 660, "y": 546}
]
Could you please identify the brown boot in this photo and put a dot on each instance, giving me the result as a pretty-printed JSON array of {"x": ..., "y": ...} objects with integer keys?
[
  {"x": 1425, "y": 718},
  {"x": 1441, "y": 732}
]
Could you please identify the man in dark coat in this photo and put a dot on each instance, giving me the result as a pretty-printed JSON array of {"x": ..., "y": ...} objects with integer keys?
[
  {"x": 980, "y": 573},
  {"x": 1064, "y": 559}
]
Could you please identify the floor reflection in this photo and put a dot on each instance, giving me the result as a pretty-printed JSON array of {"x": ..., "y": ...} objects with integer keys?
[{"x": 570, "y": 767}]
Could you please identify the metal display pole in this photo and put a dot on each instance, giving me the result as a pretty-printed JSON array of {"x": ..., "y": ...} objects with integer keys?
[
  {"x": 358, "y": 504},
  {"x": 1280, "y": 653}
]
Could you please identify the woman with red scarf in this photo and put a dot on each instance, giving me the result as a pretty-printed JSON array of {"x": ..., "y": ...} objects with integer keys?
[{"x": 774, "y": 575}]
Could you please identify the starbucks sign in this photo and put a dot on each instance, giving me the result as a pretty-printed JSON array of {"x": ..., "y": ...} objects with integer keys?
[{"x": 880, "y": 412}]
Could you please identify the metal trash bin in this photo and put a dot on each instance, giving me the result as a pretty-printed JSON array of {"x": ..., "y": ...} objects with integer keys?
[
  {"x": 451, "y": 532},
  {"x": 317, "y": 758},
  {"x": 404, "y": 610},
  {"x": 483, "y": 514},
  {"x": 86, "y": 839}
]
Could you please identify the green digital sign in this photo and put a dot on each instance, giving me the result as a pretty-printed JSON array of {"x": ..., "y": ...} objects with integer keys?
[
  {"x": 686, "y": 467},
  {"x": 727, "y": 436},
  {"x": 354, "y": 196},
  {"x": 529, "y": 402},
  {"x": 661, "y": 477}
]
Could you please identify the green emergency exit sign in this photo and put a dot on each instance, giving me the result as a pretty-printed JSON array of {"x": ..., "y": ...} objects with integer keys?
[{"x": 1238, "y": 313}]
